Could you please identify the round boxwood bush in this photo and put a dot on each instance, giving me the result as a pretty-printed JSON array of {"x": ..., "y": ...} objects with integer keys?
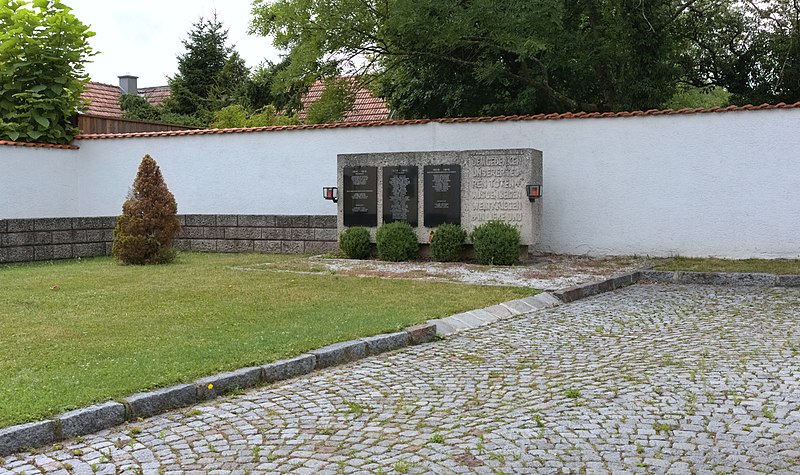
[
  {"x": 496, "y": 243},
  {"x": 397, "y": 241},
  {"x": 354, "y": 242},
  {"x": 447, "y": 242}
]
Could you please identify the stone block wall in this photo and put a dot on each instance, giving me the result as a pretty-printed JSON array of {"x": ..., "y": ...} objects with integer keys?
[
  {"x": 25, "y": 240},
  {"x": 28, "y": 240},
  {"x": 258, "y": 233}
]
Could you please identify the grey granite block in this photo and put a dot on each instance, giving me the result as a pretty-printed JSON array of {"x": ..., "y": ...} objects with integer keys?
[
  {"x": 91, "y": 419},
  {"x": 200, "y": 220},
  {"x": 658, "y": 276},
  {"x": 90, "y": 250},
  {"x": 321, "y": 221},
  {"x": 161, "y": 400},
  {"x": 499, "y": 311},
  {"x": 3, "y": 225},
  {"x": 204, "y": 245},
  {"x": 423, "y": 333},
  {"x": 386, "y": 342},
  {"x": 63, "y": 251},
  {"x": 275, "y": 234},
  {"x": 541, "y": 301},
  {"x": 340, "y": 353},
  {"x": 20, "y": 225},
  {"x": 234, "y": 245},
  {"x": 20, "y": 254},
  {"x": 518, "y": 306},
  {"x": 242, "y": 233},
  {"x": 289, "y": 368},
  {"x": 302, "y": 234},
  {"x": 212, "y": 386},
  {"x": 483, "y": 315},
  {"x": 227, "y": 220},
  {"x": 214, "y": 233},
  {"x": 272, "y": 247},
  {"x": 52, "y": 224},
  {"x": 99, "y": 235},
  {"x": 192, "y": 232},
  {"x": 468, "y": 319},
  {"x": 103, "y": 222},
  {"x": 3, "y": 255},
  {"x": 300, "y": 221},
  {"x": 283, "y": 221},
  {"x": 182, "y": 244},
  {"x": 43, "y": 253},
  {"x": 253, "y": 220},
  {"x": 43, "y": 237},
  {"x": 319, "y": 247},
  {"x": 445, "y": 326},
  {"x": 325, "y": 234},
  {"x": 24, "y": 436},
  {"x": 787, "y": 280},
  {"x": 293, "y": 247},
  {"x": 19, "y": 239}
]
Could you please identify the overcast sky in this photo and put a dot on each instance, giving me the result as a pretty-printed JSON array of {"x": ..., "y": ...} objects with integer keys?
[{"x": 143, "y": 37}]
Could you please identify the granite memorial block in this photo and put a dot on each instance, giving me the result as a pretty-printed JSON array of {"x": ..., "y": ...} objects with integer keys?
[
  {"x": 400, "y": 195},
  {"x": 442, "y": 194},
  {"x": 360, "y": 189}
]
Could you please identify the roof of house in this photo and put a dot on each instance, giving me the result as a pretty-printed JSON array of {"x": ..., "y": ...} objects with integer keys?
[
  {"x": 367, "y": 107},
  {"x": 568, "y": 115},
  {"x": 104, "y": 98}
]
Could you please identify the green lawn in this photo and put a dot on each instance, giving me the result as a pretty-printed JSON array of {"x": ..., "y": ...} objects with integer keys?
[
  {"x": 710, "y": 264},
  {"x": 78, "y": 332}
]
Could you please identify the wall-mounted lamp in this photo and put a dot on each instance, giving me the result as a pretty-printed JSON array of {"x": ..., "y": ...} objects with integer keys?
[
  {"x": 331, "y": 193},
  {"x": 533, "y": 192}
]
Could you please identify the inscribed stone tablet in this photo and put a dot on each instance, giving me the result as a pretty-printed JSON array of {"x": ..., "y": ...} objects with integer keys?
[
  {"x": 360, "y": 196},
  {"x": 442, "y": 194},
  {"x": 400, "y": 195}
]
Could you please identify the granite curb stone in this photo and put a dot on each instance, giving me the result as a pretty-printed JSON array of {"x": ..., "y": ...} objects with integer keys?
[
  {"x": 34, "y": 434},
  {"x": 721, "y": 278},
  {"x": 578, "y": 292},
  {"x": 91, "y": 419},
  {"x": 340, "y": 353},
  {"x": 424, "y": 333},
  {"x": 212, "y": 386},
  {"x": 386, "y": 342},
  {"x": 161, "y": 400},
  {"x": 289, "y": 368}
]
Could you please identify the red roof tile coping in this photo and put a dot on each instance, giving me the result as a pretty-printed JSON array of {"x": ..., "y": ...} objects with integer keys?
[
  {"x": 457, "y": 120},
  {"x": 38, "y": 145}
]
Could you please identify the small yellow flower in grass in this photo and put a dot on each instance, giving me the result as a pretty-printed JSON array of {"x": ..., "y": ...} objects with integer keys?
[{"x": 210, "y": 386}]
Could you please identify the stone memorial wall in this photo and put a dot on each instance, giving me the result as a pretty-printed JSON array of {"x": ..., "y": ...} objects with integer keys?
[{"x": 427, "y": 189}]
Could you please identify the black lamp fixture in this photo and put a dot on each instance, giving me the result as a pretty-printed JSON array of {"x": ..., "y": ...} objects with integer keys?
[
  {"x": 331, "y": 193},
  {"x": 533, "y": 192}
]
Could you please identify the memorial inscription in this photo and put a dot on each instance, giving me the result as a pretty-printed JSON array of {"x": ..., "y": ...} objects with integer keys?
[
  {"x": 360, "y": 189},
  {"x": 496, "y": 184},
  {"x": 400, "y": 195},
  {"x": 442, "y": 194}
]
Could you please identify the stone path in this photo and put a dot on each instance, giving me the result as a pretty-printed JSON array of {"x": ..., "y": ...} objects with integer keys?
[{"x": 648, "y": 379}]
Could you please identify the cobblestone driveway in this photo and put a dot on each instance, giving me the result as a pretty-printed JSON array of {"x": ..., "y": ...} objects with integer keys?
[{"x": 649, "y": 379}]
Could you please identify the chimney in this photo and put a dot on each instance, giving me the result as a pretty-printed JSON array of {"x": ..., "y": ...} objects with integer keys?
[{"x": 128, "y": 84}]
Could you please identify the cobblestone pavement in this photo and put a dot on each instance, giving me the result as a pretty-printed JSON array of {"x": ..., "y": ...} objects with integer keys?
[{"x": 649, "y": 379}]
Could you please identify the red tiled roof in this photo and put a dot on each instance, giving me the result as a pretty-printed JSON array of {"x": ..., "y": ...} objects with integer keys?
[
  {"x": 104, "y": 98},
  {"x": 38, "y": 145},
  {"x": 507, "y": 118},
  {"x": 366, "y": 107}
]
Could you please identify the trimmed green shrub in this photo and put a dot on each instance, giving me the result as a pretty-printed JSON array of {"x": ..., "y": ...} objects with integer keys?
[
  {"x": 354, "y": 242},
  {"x": 396, "y": 242},
  {"x": 149, "y": 222},
  {"x": 496, "y": 243},
  {"x": 447, "y": 242}
]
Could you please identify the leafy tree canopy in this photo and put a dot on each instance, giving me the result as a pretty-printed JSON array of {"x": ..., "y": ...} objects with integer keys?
[
  {"x": 43, "y": 47},
  {"x": 439, "y": 58}
]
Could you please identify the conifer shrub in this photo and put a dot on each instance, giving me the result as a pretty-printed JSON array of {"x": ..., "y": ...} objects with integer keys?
[
  {"x": 396, "y": 242},
  {"x": 447, "y": 242},
  {"x": 354, "y": 242},
  {"x": 148, "y": 224},
  {"x": 496, "y": 243}
]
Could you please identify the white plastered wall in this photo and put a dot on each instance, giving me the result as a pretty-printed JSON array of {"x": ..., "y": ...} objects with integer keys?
[{"x": 718, "y": 184}]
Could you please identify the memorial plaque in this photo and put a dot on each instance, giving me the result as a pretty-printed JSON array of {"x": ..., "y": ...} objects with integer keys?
[
  {"x": 400, "y": 195},
  {"x": 442, "y": 194},
  {"x": 360, "y": 189}
]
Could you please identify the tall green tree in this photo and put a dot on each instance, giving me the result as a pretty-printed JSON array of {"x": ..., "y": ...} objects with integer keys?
[
  {"x": 43, "y": 48},
  {"x": 210, "y": 74},
  {"x": 436, "y": 58}
]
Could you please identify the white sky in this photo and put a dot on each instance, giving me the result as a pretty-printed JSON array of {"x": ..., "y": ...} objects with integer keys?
[{"x": 143, "y": 37}]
